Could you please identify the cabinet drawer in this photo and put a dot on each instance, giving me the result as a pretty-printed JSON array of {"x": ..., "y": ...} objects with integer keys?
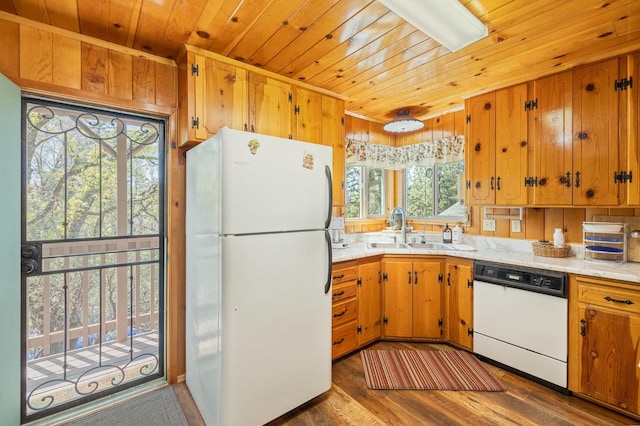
[
  {"x": 344, "y": 291},
  {"x": 611, "y": 297},
  {"x": 344, "y": 339},
  {"x": 343, "y": 275},
  {"x": 344, "y": 312}
]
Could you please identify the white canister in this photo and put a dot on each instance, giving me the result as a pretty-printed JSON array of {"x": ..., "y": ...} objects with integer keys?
[{"x": 558, "y": 237}]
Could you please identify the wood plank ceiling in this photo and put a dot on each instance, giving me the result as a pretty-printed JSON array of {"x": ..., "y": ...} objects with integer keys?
[{"x": 358, "y": 48}]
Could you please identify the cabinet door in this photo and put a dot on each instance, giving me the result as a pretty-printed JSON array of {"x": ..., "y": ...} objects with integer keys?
[
  {"x": 270, "y": 106},
  {"x": 480, "y": 149},
  {"x": 333, "y": 135},
  {"x": 398, "y": 296},
  {"x": 369, "y": 303},
  {"x": 308, "y": 116},
  {"x": 223, "y": 99},
  {"x": 511, "y": 145},
  {"x": 427, "y": 299},
  {"x": 611, "y": 357},
  {"x": 551, "y": 135},
  {"x": 459, "y": 304},
  {"x": 631, "y": 132},
  {"x": 595, "y": 134}
]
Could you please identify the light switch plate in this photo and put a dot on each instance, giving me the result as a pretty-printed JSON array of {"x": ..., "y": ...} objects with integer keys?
[
  {"x": 515, "y": 225},
  {"x": 488, "y": 224}
]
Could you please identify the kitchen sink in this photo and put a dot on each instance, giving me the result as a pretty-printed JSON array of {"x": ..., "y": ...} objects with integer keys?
[
  {"x": 431, "y": 246},
  {"x": 419, "y": 246},
  {"x": 387, "y": 245}
]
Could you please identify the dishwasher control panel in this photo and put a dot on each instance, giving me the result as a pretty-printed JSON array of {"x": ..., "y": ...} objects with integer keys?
[{"x": 531, "y": 279}]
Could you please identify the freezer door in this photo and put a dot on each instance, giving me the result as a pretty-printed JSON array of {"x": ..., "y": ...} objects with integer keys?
[
  {"x": 276, "y": 325},
  {"x": 271, "y": 184}
]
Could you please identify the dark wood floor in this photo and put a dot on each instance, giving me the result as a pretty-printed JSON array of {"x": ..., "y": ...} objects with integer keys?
[{"x": 350, "y": 402}]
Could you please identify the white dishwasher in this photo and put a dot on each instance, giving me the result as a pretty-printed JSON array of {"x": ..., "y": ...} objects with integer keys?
[{"x": 521, "y": 320}]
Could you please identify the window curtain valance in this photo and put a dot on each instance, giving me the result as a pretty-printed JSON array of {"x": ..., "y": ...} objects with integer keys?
[{"x": 446, "y": 150}]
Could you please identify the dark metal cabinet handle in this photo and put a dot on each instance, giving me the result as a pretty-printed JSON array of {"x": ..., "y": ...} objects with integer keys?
[
  {"x": 491, "y": 185},
  {"x": 415, "y": 277},
  {"x": 338, "y": 293},
  {"x": 337, "y": 277},
  {"x": 339, "y": 341},
  {"x": 409, "y": 276},
  {"x": 611, "y": 299},
  {"x": 340, "y": 314}
]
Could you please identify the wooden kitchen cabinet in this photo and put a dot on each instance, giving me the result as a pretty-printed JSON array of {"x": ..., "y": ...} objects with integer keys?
[
  {"x": 595, "y": 134},
  {"x": 459, "y": 302},
  {"x": 307, "y": 122},
  {"x": 369, "y": 302},
  {"x": 497, "y": 150},
  {"x": 512, "y": 146},
  {"x": 344, "y": 309},
  {"x": 216, "y": 96},
  {"x": 333, "y": 134},
  {"x": 480, "y": 149},
  {"x": 550, "y": 131},
  {"x": 604, "y": 341},
  {"x": 412, "y": 298},
  {"x": 270, "y": 106}
]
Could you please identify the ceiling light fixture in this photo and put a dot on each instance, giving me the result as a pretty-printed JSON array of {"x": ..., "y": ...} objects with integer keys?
[
  {"x": 446, "y": 21},
  {"x": 403, "y": 124}
]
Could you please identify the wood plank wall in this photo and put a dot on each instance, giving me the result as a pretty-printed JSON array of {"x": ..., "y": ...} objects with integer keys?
[{"x": 63, "y": 65}]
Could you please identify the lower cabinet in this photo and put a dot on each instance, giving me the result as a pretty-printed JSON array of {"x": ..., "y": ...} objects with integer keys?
[
  {"x": 412, "y": 298},
  {"x": 369, "y": 302},
  {"x": 459, "y": 302},
  {"x": 604, "y": 341},
  {"x": 344, "y": 310},
  {"x": 356, "y": 309},
  {"x": 426, "y": 297}
]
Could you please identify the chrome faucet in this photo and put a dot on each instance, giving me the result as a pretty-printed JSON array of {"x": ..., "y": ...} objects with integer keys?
[{"x": 404, "y": 221}]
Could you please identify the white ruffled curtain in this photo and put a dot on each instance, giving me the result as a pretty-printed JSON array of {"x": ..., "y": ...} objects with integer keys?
[{"x": 446, "y": 150}]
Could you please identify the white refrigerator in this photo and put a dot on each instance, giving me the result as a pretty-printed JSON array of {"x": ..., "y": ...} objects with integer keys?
[{"x": 258, "y": 307}]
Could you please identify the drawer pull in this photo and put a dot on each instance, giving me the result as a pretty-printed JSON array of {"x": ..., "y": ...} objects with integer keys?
[
  {"x": 611, "y": 299},
  {"x": 337, "y": 277},
  {"x": 338, "y": 293},
  {"x": 339, "y": 341},
  {"x": 340, "y": 314}
]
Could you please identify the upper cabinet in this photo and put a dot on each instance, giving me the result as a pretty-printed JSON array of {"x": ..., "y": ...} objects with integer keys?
[
  {"x": 497, "y": 147},
  {"x": 333, "y": 134},
  {"x": 512, "y": 146},
  {"x": 270, "y": 106},
  {"x": 631, "y": 131},
  {"x": 595, "y": 134},
  {"x": 216, "y": 95},
  {"x": 567, "y": 139},
  {"x": 550, "y": 131},
  {"x": 480, "y": 149},
  {"x": 215, "y": 92}
]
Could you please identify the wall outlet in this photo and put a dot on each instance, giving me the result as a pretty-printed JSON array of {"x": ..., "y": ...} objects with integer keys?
[
  {"x": 515, "y": 225},
  {"x": 488, "y": 224}
]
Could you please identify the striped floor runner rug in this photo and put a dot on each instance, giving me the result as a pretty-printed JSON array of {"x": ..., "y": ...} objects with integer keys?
[{"x": 435, "y": 370}]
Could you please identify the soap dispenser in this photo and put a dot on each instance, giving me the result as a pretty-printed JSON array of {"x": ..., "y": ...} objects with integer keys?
[
  {"x": 446, "y": 234},
  {"x": 457, "y": 234}
]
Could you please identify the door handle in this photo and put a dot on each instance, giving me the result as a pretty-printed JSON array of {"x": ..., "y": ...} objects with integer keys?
[{"x": 31, "y": 257}]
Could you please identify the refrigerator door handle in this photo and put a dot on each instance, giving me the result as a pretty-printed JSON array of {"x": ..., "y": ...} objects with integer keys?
[
  {"x": 327, "y": 286},
  {"x": 327, "y": 171}
]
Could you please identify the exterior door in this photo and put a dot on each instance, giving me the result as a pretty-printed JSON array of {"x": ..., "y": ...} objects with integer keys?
[
  {"x": 92, "y": 254},
  {"x": 10, "y": 251}
]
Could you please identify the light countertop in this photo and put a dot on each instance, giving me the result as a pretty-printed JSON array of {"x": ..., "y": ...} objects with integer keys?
[{"x": 513, "y": 252}]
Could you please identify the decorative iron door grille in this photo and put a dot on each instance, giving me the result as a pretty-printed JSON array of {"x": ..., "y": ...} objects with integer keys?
[{"x": 92, "y": 254}]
